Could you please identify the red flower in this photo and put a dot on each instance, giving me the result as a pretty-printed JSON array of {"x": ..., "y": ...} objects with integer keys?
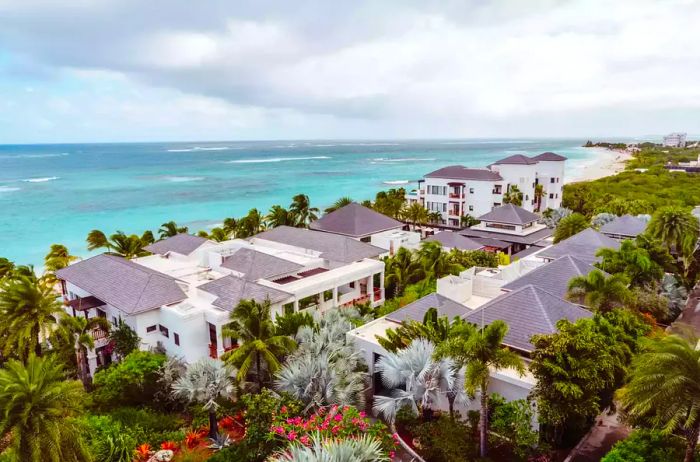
[
  {"x": 169, "y": 445},
  {"x": 192, "y": 439},
  {"x": 143, "y": 451},
  {"x": 227, "y": 422}
]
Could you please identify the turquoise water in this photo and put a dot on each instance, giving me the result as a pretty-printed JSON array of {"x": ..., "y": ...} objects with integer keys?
[{"x": 57, "y": 193}]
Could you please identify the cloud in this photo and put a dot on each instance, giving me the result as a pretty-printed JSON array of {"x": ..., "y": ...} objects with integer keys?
[{"x": 364, "y": 68}]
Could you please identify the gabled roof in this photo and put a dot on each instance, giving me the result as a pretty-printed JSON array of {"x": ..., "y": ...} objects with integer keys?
[
  {"x": 416, "y": 310},
  {"x": 356, "y": 221},
  {"x": 549, "y": 156},
  {"x": 230, "y": 290},
  {"x": 333, "y": 247},
  {"x": 455, "y": 241},
  {"x": 626, "y": 225},
  {"x": 527, "y": 311},
  {"x": 123, "y": 284},
  {"x": 516, "y": 159},
  {"x": 510, "y": 214},
  {"x": 583, "y": 246},
  {"x": 553, "y": 277},
  {"x": 460, "y": 172},
  {"x": 183, "y": 243},
  {"x": 256, "y": 265}
]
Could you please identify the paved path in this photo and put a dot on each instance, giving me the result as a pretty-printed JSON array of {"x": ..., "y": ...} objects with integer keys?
[{"x": 606, "y": 431}]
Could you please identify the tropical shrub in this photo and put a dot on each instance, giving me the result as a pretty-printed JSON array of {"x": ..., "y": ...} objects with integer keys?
[
  {"x": 570, "y": 225},
  {"x": 124, "y": 339},
  {"x": 439, "y": 440},
  {"x": 647, "y": 446},
  {"x": 362, "y": 449},
  {"x": 513, "y": 420},
  {"x": 469, "y": 258},
  {"x": 109, "y": 440},
  {"x": 130, "y": 382}
]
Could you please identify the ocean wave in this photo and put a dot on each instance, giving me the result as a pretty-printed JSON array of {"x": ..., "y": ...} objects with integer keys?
[
  {"x": 403, "y": 159},
  {"x": 275, "y": 159},
  {"x": 40, "y": 180},
  {"x": 200, "y": 148},
  {"x": 396, "y": 182},
  {"x": 371, "y": 144},
  {"x": 36, "y": 156},
  {"x": 183, "y": 179},
  {"x": 8, "y": 189},
  {"x": 486, "y": 142}
]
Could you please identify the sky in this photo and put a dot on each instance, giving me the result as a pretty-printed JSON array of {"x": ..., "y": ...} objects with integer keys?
[{"x": 170, "y": 70}]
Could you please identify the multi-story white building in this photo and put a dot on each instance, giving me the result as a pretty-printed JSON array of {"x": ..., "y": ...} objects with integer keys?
[
  {"x": 182, "y": 295},
  {"x": 456, "y": 191},
  {"x": 675, "y": 140}
]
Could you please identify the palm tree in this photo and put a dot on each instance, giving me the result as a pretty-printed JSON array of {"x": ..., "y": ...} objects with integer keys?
[
  {"x": 539, "y": 194},
  {"x": 570, "y": 225},
  {"x": 216, "y": 234},
  {"x": 435, "y": 260},
  {"x": 78, "y": 331},
  {"x": 251, "y": 322},
  {"x": 230, "y": 225},
  {"x": 38, "y": 409},
  {"x": 436, "y": 329},
  {"x": 279, "y": 216},
  {"x": 250, "y": 225},
  {"x": 434, "y": 217},
  {"x": 338, "y": 204},
  {"x": 679, "y": 230},
  {"x": 599, "y": 292},
  {"x": 631, "y": 260},
  {"x": 58, "y": 258},
  {"x": 480, "y": 351},
  {"x": 171, "y": 229},
  {"x": 415, "y": 214},
  {"x": 29, "y": 311},
  {"x": 6, "y": 268},
  {"x": 402, "y": 269},
  {"x": 302, "y": 210},
  {"x": 362, "y": 449},
  {"x": 205, "y": 382},
  {"x": 665, "y": 385},
  {"x": 147, "y": 238},
  {"x": 513, "y": 196},
  {"x": 118, "y": 243},
  {"x": 416, "y": 380}
]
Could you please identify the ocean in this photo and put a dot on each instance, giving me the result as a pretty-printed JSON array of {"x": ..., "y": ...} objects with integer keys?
[{"x": 58, "y": 193}]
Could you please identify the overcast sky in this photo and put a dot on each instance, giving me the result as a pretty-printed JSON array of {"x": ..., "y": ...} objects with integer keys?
[{"x": 133, "y": 70}]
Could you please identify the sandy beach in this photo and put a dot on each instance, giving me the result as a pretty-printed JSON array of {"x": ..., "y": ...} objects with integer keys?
[{"x": 607, "y": 162}]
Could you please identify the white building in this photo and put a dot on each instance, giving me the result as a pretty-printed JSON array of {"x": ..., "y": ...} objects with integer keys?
[
  {"x": 675, "y": 140},
  {"x": 456, "y": 191},
  {"x": 181, "y": 296}
]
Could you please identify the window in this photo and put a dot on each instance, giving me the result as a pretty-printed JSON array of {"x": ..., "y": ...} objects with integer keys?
[
  {"x": 366, "y": 239},
  {"x": 551, "y": 196},
  {"x": 557, "y": 179},
  {"x": 500, "y": 226},
  {"x": 114, "y": 320},
  {"x": 496, "y": 204},
  {"x": 352, "y": 285},
  {"x": 176, "y": 337},
  {"x": 557, "y": 195},
  {"x": 164, "y": 331},
  {"x": 150, "y": 329},
  {"x": 471, "y": 190},
  {"x": 527, "y": 197},
  {"x": 444, "y": 207},
  {"x": 471, "y": 208}
]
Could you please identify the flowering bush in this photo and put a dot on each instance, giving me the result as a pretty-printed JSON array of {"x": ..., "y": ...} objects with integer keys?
[{"x": 334, "y": 423}]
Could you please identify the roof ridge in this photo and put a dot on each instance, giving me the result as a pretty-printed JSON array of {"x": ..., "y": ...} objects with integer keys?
[{"x": 542, "y": 305}]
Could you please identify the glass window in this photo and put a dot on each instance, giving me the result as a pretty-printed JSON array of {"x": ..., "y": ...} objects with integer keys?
[
  {"x": 151, "y": 329},
  {"x": 164, "y": 331},
  {"x": 176, "y": 337},
  {"x": 551, "y": 180},
  {"x": 471, "y": 190}
]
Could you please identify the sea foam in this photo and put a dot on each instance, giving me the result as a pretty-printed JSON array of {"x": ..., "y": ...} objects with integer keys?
[
  {"x": 275, "y": 159},
  {"x": 40, "y": 180}
]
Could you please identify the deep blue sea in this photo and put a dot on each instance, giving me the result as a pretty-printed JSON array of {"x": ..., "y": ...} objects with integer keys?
[{"x": 58, "y": 193}]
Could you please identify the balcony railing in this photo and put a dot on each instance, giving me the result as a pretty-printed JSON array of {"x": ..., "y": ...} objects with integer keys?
[
  {"x": 99, "y": 334},
  {"x": 453, "y": 213},
  {"x": 364, "y": 299},
  {"x": 456, "y": 196}
]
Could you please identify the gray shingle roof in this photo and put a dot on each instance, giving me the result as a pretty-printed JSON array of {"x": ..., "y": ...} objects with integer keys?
[
  {"x": 626, "y": 225},
  {"x": 127, "y": 286},
  {"x": 256, "y": 265},
  {"x": 355, "y": 220},
  {"x": 528, "y": 239},
  {"x": 460, "y": 172},
  {"x": 455, "y": 241},
  {"x": 511, "y": 214},
  {"x": 554, "y": 276},
  {"x": 527, "y": 311},
  {"x": 416, "y": 310},
  {"x": 549, "y": 156},
  {"x": 333, "y": 247},
  {"x": 517, "y": 159},
  {"x": 183, "y": 243},
  {"x": 583, "y": 246},
  {"x": 230, "y": 290}
]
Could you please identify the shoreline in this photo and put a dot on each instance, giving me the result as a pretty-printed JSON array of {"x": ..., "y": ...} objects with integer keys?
[{"x": 609, "y": 162}]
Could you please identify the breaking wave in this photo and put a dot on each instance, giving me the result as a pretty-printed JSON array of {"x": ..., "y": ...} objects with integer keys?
[
  {"x": 275, "y": 159},
  {"x": 40, "y": 180}
]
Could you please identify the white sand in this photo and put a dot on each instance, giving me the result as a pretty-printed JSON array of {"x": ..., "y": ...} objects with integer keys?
[{"x": 607, "y": 162}]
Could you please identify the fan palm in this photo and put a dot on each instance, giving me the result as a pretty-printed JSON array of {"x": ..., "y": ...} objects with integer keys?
[
  {"x": 171, "y": 229},
  {"x": 251, "y": 323},
  {"x": 302, "y": 211},
  {"x": 665, "y": 386},
  {"x": 38, "y": 405},
  {"x": 402, "y": 269},
  {"x": 78, "y": 331},
  {"x": 480, "y": 351},
  {"x": 599, "y": 292},
  {"x": 279, "y": 216},
  {"x": 363, "y": 449},
  {"x": 435, "y": 260},
  {"x": 29, "y": 310},
  {"x": 570, "y": 225},
  {"x": 338, "y": 204}
]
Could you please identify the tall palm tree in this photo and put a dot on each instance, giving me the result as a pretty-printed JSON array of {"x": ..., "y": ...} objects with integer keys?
[
  {"x": 665, "y": 386},
  {"x": 250, "y": 225},
  {"x": 251, "y": 323},
  {"x": 6, "y": 268},
  {"x": 338, "y": 204},
  {"x": 570, "y": 225},
  {"x": 402, "y": 269},
  {"x": 205, "y": 382},
  {"x": 434, "y": 217},
  {"x": 539, "y": 194},
  {"x": 171, "y": 229},
  {"x": 279, "y": 216},
  {"x": 435, "y": 260},
  {"x": 78, "y": 331},
  {"x": 513, "y": 196},
  {"x": 147, "y": 238},
  {"x": 415, "y": 214},
  {"x": 216, "y": 234},
  {"x": 362, "y": 449},
  {"x": 29, "y": 311},
  {"x": 38, "y": 405},
  {"x": 119, "y": 243},
  {"x": 480, "y": 351},
  {"x": 679, "y": 230},
  {"x": 599, "y": 292},
  {"x": 302, "y": 210},
  {"x": 58, "y": 258},
  {"x": 230, "y": 225}
]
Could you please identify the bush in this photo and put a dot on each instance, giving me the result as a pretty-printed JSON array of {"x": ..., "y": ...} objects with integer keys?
[
  {"x": 108, "y": 440},
  {"x": 131, "y": 382},
  {"x": 148, "y": 420},
  {"x": 444, "y": 440},
  {"x": 513, "y": 420},
  {"x": 647, "y": 446}
]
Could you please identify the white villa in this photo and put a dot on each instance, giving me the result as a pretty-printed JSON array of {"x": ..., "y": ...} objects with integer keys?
[
  {"x": 456, "y": 191},
  {"x": 181, "y": 296}
]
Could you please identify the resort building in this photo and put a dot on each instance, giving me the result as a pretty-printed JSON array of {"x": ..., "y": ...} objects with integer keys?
[
  {"x": 366, "y": 225},
  {"x": 457, "y": 191},
  {"x": 675, "y": 140},
  {"x": 625, "y": 227},
  {"x": 181, "y": 296}
]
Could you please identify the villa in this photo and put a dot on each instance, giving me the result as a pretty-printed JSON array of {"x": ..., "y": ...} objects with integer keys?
[
  {"x": 457, "y": 191},
  {"x": 181, "y": 296}
]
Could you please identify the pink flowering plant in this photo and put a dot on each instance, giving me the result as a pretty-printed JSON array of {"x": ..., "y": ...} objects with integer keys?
[{"x": 333, "y": 422}]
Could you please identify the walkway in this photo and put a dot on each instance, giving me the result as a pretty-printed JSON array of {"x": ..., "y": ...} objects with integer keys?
[{"x": 606, "y": 431}]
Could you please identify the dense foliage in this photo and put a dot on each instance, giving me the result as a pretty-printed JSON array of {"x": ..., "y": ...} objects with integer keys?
[
  {"x": 130, "y": 382},
  {"x": 647, "y": 446}
]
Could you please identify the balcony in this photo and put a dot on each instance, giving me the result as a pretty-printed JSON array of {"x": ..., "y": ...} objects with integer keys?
[
  {"x": 364, "y": 299},
  {"x": 453, "y": 213},
  {"x": 456, "y": 196},
  {"x": 99, "y": 333}
]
